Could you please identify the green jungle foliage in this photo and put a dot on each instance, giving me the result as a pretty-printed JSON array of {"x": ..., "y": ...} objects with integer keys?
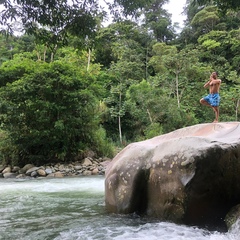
[{"x": 64, "y": 92}]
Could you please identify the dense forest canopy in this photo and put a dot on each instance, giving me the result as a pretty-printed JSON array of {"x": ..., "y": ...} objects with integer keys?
[
  {"x": 223, "y": 5},
  {"x": 69, "y": 83}
]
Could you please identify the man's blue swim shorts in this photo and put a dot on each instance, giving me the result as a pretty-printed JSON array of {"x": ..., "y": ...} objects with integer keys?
[{"x": 213, "y": 99}]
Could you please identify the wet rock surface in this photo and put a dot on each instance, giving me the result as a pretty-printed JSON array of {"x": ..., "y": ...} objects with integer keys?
[
  {"x": 87, "y": 166},
  {"x": 188, "y": 176}
]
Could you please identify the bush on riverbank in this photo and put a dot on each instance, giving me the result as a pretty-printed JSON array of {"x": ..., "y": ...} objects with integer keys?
[{"x": 50, "y": 113}]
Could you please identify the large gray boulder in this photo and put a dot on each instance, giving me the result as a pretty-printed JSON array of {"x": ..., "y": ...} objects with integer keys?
[
  {"x": 232, "y": 216},
  {"x": 189, "y": 176}
]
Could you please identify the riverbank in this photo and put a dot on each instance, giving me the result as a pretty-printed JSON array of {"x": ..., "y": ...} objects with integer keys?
[{"x": 87, "y": 166}]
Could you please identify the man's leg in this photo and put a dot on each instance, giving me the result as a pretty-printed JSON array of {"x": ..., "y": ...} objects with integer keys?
[
  {"x": 204, "y": 102},
  {"x": 216, "y": 110}
]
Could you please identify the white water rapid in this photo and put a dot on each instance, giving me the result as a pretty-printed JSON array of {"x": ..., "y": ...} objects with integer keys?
[{"x": 73, "y": 209}]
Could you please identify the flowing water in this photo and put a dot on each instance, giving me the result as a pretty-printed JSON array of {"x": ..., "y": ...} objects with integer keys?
[{"x": 73, "y": 209}]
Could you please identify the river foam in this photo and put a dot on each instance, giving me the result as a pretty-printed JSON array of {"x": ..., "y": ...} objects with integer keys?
[{"x": 73, "y": 209}]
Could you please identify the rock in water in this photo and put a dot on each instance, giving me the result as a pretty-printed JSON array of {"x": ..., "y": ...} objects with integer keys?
[{"x": 189, "y": 176}]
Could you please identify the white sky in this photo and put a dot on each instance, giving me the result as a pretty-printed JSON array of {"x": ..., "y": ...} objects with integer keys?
[{"x": 175, "y": 7}]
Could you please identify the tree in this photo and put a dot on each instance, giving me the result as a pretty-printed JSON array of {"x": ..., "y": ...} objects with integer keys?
[
  {"x": 50, "y": 112},
  {"x": 13, "y": 45},
  {"x": 223, "y": 5},
  {"x": 221, "y": 49},
  {"x": 13, "y": 70},
  {"x": 158, "y": 51},
  {"x": 145, "y": 105},
  {"x": 158, "y": 21},
  {"x": 180, "y": 73},
  {"x": 58, "y": 15},
  {"x": 116, "y": 32},
  {"x": 170, "y": 63},
  {"x": 206, "y": 19},
  {"x": 230, "y": 97},
  {"x": 61, "y": 18},
  {"x": 128, "y": 69}
]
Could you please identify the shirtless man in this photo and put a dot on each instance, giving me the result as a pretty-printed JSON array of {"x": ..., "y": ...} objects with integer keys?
[{"x": 212, "y": 99}]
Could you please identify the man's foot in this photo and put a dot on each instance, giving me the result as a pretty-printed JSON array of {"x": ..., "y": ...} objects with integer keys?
[{"x": 215, "y": 121}]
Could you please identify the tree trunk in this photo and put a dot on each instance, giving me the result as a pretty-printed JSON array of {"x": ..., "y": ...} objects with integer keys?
[
  {"x": 38, "y": 55},
  {"x": 149, "y": 115},
  {"x": 119, "y": 118},
  {"x": 120, "y": 129},
  {"x": 146, "y": 65},
  {"x": 44, "y": 53},
  {"x": 177, "y": 90},
  {"x": 236, "y": 111},
  {"x": 53, "y": 52},
  {"x": 89, "y": 58}
]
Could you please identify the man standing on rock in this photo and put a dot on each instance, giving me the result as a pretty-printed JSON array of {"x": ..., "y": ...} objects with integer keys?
[{"x": 213, "y": 98}]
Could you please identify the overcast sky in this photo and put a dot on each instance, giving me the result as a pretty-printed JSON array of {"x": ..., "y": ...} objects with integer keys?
[{"x": 175, "y": 7}]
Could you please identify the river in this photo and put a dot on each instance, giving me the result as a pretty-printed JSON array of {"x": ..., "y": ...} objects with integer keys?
[{"x": 73, "y": 209}]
